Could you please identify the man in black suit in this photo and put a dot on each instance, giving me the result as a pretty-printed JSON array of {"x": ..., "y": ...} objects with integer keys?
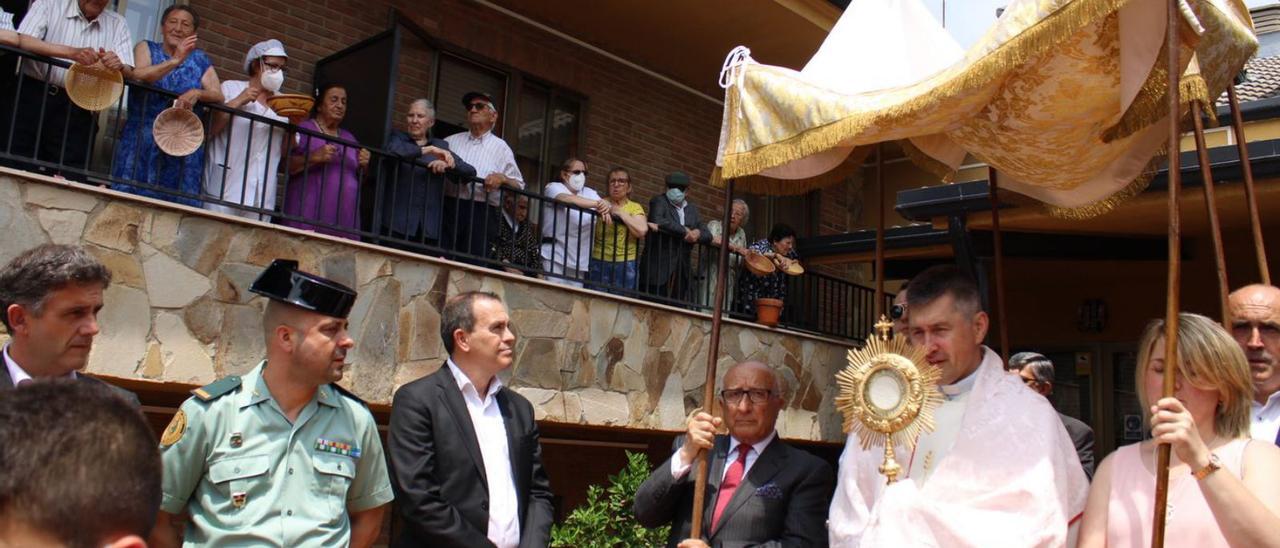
[
  {"x": 50, "y": 296},
  {"x": 674, "y": 226},
  {"x": 466, "y": 464},
  {"x": 1037, "y": 373},
  {"x": 768, "y": 494}
]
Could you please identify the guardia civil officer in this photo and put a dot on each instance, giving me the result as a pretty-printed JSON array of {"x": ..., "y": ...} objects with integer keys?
[{"x": 280, "y": 456}]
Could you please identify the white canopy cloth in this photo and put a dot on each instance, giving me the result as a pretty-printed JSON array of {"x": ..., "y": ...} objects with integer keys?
[{"x": 1063, "y": 97}]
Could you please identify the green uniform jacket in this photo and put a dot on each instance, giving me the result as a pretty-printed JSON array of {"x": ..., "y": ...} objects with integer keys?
[{"x": 249, "y": 476}]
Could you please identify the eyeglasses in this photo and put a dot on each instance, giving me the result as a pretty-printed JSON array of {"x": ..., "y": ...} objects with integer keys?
[
  {"x": 477, "y": 106},
  {"x": 273, "y": 66},
  {"x": 897, "y": 311},
  {"x": 757, "y": 396},
  {"x": 577, "y": 171},
  {"x": 619, "y": 181}
]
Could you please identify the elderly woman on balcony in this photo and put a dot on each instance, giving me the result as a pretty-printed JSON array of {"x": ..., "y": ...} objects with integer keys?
[
  {"x": 781, "y": 243},
  {"x": 737, "y": 248},
  {"x": 412, "y": 183},
  {"x": 325, "y": 174},
  {"x": 245, "y": 154},
  {"x": 174, "y": 65}
]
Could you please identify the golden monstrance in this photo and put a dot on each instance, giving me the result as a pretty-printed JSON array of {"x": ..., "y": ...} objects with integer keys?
[{"x": 888, "y": 394}]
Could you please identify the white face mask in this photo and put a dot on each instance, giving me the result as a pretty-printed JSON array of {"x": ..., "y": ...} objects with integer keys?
[
  {"x": 272, "y": 80},
  {"x": 576, "y": 182}
]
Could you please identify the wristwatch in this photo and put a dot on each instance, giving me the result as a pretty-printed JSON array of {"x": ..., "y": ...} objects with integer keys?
[{"x": 1213, "y": 466}]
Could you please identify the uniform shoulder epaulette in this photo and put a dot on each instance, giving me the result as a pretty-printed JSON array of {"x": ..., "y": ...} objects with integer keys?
[
  {"x": 218, "y": 388},
  {"x": 337, "y": 387}
]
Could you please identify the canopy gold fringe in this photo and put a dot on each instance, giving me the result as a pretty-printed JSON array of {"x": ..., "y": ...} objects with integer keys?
[
  {"x": 1034, "y": 41},
  {"x": 1105, "y": 205}
]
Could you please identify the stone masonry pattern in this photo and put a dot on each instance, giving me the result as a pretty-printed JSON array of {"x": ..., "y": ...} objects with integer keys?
[{"x": 179, "y": 311}]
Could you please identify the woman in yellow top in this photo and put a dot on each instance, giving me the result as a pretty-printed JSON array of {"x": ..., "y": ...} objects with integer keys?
[{"x": 617, "y": 244}]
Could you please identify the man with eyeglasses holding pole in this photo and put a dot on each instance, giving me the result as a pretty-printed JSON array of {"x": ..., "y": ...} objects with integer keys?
[
  {"x": 760, "y": 490},
  {"x": 471, "y": 211}
]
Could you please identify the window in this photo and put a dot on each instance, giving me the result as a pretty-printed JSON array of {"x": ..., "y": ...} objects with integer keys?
[
  {"x": 143, "y": 17},
  {"x": 455, "y": 78},
  {"x": 541, "y": 123}
]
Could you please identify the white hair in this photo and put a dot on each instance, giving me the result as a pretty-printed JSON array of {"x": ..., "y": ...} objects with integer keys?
[{"x": 425, "y": 104}]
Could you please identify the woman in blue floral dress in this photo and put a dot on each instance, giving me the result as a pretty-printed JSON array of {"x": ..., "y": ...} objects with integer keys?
[{"x": 177, "y": 66}]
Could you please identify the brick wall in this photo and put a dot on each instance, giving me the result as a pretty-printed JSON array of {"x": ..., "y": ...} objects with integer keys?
[{"x": 632, "y": 119}]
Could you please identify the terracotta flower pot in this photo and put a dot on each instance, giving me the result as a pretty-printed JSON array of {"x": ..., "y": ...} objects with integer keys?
[{"x": 768, "y": 311}]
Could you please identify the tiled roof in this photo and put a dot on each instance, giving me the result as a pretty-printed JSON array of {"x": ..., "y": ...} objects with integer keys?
[{"x": 1262, "y": 80}]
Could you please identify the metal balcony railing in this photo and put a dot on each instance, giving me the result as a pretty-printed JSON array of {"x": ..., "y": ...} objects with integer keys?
[{"x": 262, "y": 168}]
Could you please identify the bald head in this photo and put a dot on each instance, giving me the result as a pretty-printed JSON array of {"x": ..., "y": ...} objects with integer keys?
[{"x": 1255, "y": 324}]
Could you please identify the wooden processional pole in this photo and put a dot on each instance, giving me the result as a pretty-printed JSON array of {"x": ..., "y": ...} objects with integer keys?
[
  {"x": 1211, "y": 207},
  {"x": 879, "y": 304},
  {"x": 713, "y": 354},
  {"x": 997, "y": 241},
  {"x": 1172, "y": 303},
  {"x": 1251, "y": 197}
]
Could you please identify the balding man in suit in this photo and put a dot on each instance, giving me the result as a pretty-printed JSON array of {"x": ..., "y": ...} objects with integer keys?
[{"x": 760, "y": 490}]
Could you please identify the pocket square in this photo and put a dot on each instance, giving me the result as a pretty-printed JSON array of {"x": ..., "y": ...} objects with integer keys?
[{"x": 769, "y": 491}]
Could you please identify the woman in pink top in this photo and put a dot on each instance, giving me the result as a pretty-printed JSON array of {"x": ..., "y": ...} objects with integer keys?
[{"x": 1224, "y": 490}]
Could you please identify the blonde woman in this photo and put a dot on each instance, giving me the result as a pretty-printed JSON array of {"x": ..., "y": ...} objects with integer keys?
[{"x": 1224, "y": 489}]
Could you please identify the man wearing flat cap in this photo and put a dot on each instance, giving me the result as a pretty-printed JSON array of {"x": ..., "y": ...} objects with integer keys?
[
  {"x": 674, "y": 226},
  {"x": 281, "y": 456},
  {"x": 471, "y": 210}
]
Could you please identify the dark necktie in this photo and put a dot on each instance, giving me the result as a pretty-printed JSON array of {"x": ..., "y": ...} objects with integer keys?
[{"x": 732, "y": 478}]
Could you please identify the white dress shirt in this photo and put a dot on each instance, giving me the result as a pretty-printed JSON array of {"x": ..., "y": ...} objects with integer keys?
[
  {"x": 933, "y": 446},
  {"x": 61, "y": 22},
  {"x": 1266, "y": 419},
  {"x": 491, "y": 433},
  {"x": 570, "y": 228},
  {"x": 488, "y": 154},
  {"x": 16, "y": 373},
  {"x": 679, "y": 467}
]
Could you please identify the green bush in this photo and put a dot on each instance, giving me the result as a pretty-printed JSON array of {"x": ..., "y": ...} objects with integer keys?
[{"x": 606, "y": 521}]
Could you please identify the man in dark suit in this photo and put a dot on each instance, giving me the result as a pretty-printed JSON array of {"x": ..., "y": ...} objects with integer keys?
[
  {"x": 466, "y": 464},
  {"x": 674, "y": 226},
  {"x": 1037, "y": 372},
  {"x": 50, "y": 296},
  {"x": 760, "y": 491}
]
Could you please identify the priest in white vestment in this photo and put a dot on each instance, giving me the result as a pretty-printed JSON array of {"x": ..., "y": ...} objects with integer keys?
[{"x": 999, "y": 469}]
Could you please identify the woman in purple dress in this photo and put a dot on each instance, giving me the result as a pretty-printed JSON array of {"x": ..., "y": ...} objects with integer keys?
[{"x": 324, "y": 174}]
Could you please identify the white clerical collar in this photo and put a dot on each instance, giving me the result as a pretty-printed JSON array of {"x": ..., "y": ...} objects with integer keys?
[
  {"x": 758, "y": 446},
  {"x": 962, "y": 386},
  {"x": 17, "y": 373}
]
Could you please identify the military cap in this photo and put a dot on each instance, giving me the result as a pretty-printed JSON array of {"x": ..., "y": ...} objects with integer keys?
[{"x": 282, "y": 281}]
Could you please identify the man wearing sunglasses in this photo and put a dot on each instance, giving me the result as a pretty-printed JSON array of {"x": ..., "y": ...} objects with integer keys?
[
  {"x": 471, "y": 211},
  {"x": 760, "y": 490}
]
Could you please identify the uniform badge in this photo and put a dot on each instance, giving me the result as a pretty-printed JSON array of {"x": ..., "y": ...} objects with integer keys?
[
  {"x": 337, "y": 448},
  {"x": 237, "y": 439},
  {"x": 239, "y": 498},
  {"x": 174, "y": 431}
]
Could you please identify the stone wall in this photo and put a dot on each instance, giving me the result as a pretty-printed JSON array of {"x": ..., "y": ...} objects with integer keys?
[{"x": 179, "y": 311}]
